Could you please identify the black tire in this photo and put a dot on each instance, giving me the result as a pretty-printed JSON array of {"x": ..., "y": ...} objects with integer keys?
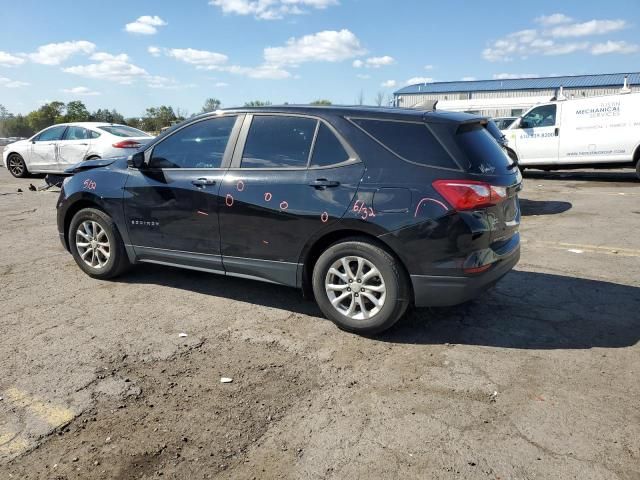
[
  {"x": 16, "y": 166},
  {"x": 396, "y": 284},
  {"x": 117, "y": 262},
  {"x": 638, "y": 169},
  {"x": 93, "y": 157}
]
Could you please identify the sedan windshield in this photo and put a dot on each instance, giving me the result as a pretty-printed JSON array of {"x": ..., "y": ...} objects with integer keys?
[{"x": 124, "y": 131}]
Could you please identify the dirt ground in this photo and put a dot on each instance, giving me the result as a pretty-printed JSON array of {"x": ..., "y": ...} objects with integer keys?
[{"x": 538, "y": 379}]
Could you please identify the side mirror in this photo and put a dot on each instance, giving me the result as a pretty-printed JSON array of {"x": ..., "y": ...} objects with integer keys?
[
  {"x": 136, "y": 160},
  {"x": 524, "y": 124}
]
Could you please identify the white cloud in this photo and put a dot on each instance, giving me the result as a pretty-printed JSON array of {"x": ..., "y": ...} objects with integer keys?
[
  {"x": 429, "y": 67},
  {"x": 81, "y": 91},
  {"x": 553, "y": 19},
  {"x": 156, "y": 81},
  {"x": 115, "y": 68},
  {"x": 512, "y": 76},
  {"x": 614, "y": 47},
  {"x": 374, "y": 62},
  {"x": 202, "y": 59},
  {"x": 9, "y": 60},
  {"x": 220, "y": 84},
  {"x": 585, "y": 29},
  {"x": 468, "y": 79},
  {"x": 56, "y": 53},
  {"x": 270, "y": 9},
  {"x": 145, "y": 25},
  {"x": 154, "y": 51},
  {"x": 8, "y": 83},
  {"x": 525, "y": 43},
  {"x": 363, "y": 76},
  {"x": 416, "y": 80},
  {"x": 326, "y": 46},
  {"x": 263, "y": 72},
  {"x": 389, "y": 84}
]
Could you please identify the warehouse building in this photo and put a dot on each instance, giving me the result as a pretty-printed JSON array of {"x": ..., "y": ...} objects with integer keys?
[{"x": 511, "y": 97}]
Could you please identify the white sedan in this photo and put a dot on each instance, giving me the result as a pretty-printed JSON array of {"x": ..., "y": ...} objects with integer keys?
[{"x": 56, "y": 148}]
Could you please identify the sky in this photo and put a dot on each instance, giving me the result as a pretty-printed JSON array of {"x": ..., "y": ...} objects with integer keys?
[{"x": 134, "y": 54}]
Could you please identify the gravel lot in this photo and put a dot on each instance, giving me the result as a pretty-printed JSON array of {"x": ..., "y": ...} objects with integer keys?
[{"x": 538, "y": 379}]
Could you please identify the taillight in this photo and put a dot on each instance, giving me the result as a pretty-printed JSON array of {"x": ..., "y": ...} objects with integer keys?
[
  {"x": 127, "y": 144},
  {"x": 469, "y": 194}
]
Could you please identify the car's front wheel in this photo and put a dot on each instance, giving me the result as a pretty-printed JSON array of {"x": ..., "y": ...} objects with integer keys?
[
  {"x": 16, "y": 165},
  {"x": 360, "y": 286},
  {"x": 96, "y": 244}
]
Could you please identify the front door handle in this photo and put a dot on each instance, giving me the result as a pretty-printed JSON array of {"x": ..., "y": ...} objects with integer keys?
[
  {"x": 323, "y": 183},
  {"x": 203, "y": 182},
  {"x": 557, "y": 132}
]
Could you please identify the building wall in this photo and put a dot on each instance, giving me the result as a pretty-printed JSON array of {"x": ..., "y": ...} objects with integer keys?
[{"x": 508, "y": 109}]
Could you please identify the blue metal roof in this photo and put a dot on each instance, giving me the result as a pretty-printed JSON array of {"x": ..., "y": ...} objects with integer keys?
[{"x": 540, "y": 83}]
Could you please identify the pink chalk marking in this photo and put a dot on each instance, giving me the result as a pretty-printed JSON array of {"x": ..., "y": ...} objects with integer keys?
[
  {"x": 200, "y": 212},
  {"x": 228, "y": 200},
  {"x": 284, "y": 205},
  {"x": 89, "y": 184},
  {"x": 324, "y": 217},
  {"x": 437, "y": 202},
  {"x": 267, "y": 197},
  {"x": 240, "y": 185},
  {"x": 364, "y": 211}
]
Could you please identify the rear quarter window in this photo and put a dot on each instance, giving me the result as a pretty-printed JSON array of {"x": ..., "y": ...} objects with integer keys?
[
  {"x": 411, "y": 141},
  {"x": 482, "y": 152}
]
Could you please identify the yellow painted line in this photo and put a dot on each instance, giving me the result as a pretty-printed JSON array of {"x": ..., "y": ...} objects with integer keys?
[
  {"x": 12, "y": 443},
  {"x": 624, "y": 252},
  {"x": 52, "y": 414}
]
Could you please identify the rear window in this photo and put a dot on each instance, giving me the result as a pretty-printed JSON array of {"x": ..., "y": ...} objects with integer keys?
[
  {"x": 327, "y": 150},
  {"x": 481, "y": 150},
  {"x": 410, "y": 141},
  {"x": 123, "y": 131}
]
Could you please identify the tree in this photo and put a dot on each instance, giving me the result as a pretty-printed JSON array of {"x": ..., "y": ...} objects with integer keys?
[
  {"x": 156, "y": 118},
  {"x": 47, "y": 115},
  {"x": 77, "y": 112},
  {"x": 4, "y": 113},
  {"x": 360, "y": 98},
  {"x": 107, "y": 116},
  {"x": 379, "y": 99},
  {"x": 321, "y": 102},
  {"x": 257, "y": 103},
  {"x": 16, "y": 126},
  {"x": 211, "y": 105}
]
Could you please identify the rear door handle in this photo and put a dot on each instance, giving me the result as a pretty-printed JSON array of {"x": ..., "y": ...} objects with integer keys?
[
  {"x": 323, "y": 183},
  {"x": 203, "y": 182},
  {"x": 557, "y": 131}
]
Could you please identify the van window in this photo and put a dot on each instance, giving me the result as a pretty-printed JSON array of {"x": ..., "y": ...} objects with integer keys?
[
  {"x": 411, "y": 141},
  {"x": 199, "y": 145},
  {"x": 543, "y": 116},
  {"x": 327, "y": 150},
  {"x": 277, "y": 141}
]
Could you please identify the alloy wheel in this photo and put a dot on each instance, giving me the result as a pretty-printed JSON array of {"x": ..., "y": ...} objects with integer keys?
[
  {"x": 16, "y": 166},
  {"x": 93, "y": 244},
  {"x": 355, "y": 287}
]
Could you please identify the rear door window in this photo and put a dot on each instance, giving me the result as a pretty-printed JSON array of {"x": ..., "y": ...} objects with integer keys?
[
  {"x": 278, "y": 141},
  {"x": 327, "y": 150},
  {"x": 411, "y": 141},
  {"x": 76, "y": 133}
]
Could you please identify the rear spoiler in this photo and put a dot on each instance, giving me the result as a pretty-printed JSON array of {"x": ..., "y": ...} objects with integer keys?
[{"x": 467, "y": 125}]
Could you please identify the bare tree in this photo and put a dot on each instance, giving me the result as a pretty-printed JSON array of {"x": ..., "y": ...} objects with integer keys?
[
  {"x": 379, "y": 99},
  {"x": 360, "y": 98}
]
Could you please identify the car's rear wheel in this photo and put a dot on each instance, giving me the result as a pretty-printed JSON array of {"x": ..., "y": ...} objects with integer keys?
[
  {"x": 638, "y": 169},
  {"x": 16, "y": 165},
  {"x": 96, "y": 244},
  {"x": 360, "y": 286}
]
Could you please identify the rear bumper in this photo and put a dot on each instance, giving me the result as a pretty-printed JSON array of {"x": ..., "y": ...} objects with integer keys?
[{"x": 442, "y": 291}]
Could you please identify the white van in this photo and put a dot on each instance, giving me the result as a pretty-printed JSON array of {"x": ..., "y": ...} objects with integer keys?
[{"x": 594, "y": 132}]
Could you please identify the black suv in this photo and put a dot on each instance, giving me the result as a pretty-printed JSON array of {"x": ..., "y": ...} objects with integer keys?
[{"x": 371, "y": 209}]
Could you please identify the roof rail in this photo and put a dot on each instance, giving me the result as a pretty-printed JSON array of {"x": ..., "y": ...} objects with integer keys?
[{"x": 427, "y": 105}]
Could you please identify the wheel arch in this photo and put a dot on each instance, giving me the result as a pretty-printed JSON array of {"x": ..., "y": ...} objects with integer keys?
[
  {"x": 74, "y": 208},
  {"x": 313, "y": 252}
]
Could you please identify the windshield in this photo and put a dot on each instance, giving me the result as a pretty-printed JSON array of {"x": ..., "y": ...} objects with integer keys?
[{"x": 124, "y": 131}]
